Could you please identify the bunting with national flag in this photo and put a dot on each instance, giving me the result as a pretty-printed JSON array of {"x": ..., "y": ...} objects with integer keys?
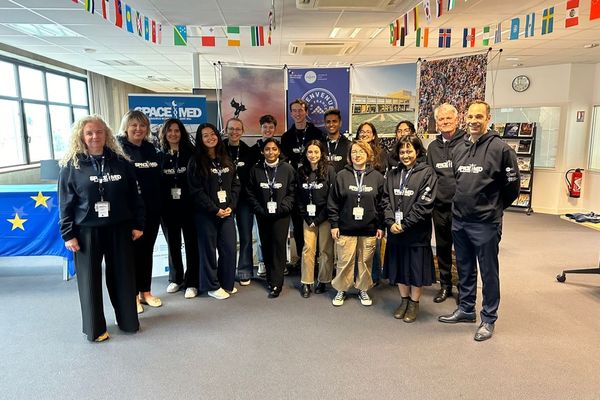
[
  {"x": 139, "y": 24},
  {"x": 439, "y": 7},
  {"x": 514, "y": 28},
  {"x": 445, "y": 39},
  {"x": 548, "y": 20},
  {"x": 530, "y": 25},
  {"x": 146, "y": 29},
  {"x": 572, "y": 18},
  {"x": 105, "y": 9},
  {"x": 405, "y": 23},
  {"x": 128, "y": 18},
  {"x": 450, "y": 5},
  {"x": 153, "y": 31},
  {"x": 89, "y": 6},
  {"x": 233, "y": 36},
  {"x": 258, "y": 35},
  {"x": 498, "y": 34},
  {"x": 468, "y": 37},
  {"x": 118, "y": 14},
  {"x": 594, "y": 9},
  {"x": 159, "y": 34},
  {"x": 486, "y": 36},
  {"x": 422, "y": 39},
  {"x": 415, "y": 17},
  {"x": 208, "y": 36},
  {"x": 180, "y": 35},
  {"x": 426, "y": 4},
  {"x": 271, "y": 16}
]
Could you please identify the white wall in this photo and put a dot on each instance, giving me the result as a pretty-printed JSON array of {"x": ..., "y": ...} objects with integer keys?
[{"x": 573, "y": 87}]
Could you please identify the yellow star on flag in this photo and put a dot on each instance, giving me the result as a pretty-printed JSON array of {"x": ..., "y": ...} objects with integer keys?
[
  {"x": 17, "y": 222},
  {"x": 40, "y": 200}
]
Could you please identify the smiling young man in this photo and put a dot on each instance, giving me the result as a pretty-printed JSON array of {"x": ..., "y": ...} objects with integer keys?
[
  {"x": 336, "y": 144},
  {"x": 487, "y": 182}
]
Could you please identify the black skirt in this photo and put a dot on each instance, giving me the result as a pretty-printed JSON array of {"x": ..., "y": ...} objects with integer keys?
[{"x": 408, "y": 265}]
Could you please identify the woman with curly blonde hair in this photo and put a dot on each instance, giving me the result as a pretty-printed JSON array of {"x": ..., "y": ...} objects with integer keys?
[{"x": 101, "y": 215}]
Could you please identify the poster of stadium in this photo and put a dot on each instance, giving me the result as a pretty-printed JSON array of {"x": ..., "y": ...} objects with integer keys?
[
  {"x": 384, "y": 96},
  {"x": 249, "y": 93},
  {"x": 457, "y": 81}
]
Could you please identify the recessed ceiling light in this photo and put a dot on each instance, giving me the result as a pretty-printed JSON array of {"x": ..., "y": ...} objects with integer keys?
[
  {"x": 590, "y": 45},
  {"x": 89, "y": 51},
  {"x": 512, "y": 58},
  {"x": 334, "y": 32},
  {"x": 518, "y": 65},
  {"x": 375, "y": 33},
  {"x": 45, "y": 30},
  {"x": 354, "y": 33}
]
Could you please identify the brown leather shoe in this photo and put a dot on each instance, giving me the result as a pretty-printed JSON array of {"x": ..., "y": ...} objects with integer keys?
[
  {"x": 411, "y": 311},
  {"x": 401, "y": 310}
]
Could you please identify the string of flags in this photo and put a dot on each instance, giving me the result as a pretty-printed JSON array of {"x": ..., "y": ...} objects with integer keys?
[
  {"x": 126, "y": 18},
  {"x": 231, "y": 36},
  {"x": 401, "y": 27}
]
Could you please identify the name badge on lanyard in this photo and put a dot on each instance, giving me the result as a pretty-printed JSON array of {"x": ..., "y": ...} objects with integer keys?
[
  {"x": 176, "y": 193},
  {"x": 102, "y": 208},
  {"x": 222, "y": 196},
  {"x": 271, "y": 207},
  {"x": 311, "y": 209},
  {"x": 398, "y": 216},
  {"x": 358, "y": 212}
]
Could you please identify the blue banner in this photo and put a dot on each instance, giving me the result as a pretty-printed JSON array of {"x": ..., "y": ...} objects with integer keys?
[
  {"x": 29, "y": 222},
  {"x": 190, "y": 109},
  {"x": 322, "y": 89}
]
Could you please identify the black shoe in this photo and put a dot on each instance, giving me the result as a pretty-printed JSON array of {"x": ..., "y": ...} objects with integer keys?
[
  {"x": 305, "y": 291},
  {"x": 320, "y": 288},
  {"x": 286, "y": 272},
  {"x": 376, "y": 283},
  {"x": 442, "y": 295},
  {"x": 457, "y": 316},
  {"x": 484, "y": 332},
  {"x": 274, "y": 292}
]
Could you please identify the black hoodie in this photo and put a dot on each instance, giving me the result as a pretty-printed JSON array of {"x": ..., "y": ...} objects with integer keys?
[
  {"x": 204, "y": 189},
  {"x": 439, "y": 156},
  {"x": 243, "y": 158},
  {"x": 283, "y": 191},
  {"x": 147, "y": 162},
  {"x": 293, "y": 141},
  {"x": 79, "y": 191},
  {"x": 174, "y": 175},
  {"x": 337, "y": 152},
  {"x": 344, "y": 197},
  {"x": 415, "y": 202},
  {"x": 318, "y": 190},
  {"x": 487, "y": 178}
]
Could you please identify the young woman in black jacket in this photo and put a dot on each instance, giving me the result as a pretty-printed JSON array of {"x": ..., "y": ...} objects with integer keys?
[
  {"x": 271, "y": 191},
  {"x": 315, "y": 178},
  {"x": 177, "y": 149},
  {"x": 215, "y": 189},
  {"x": 408, "y": 199}
]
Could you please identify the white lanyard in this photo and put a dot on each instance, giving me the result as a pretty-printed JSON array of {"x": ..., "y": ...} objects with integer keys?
[{"x": 359, "y": 184}]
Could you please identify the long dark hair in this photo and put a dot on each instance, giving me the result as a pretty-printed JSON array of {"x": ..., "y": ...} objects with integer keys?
[
  {"x": 184, "y": 143},
  {"x": 410, "y": 125},
  {"x": 305, "y": 170},
  {"x": 414, "y": 141},
  {"x": 203, "y": 161},
  {"x": 375, "y": 146}
]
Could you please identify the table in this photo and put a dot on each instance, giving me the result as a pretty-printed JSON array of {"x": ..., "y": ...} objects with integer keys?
[
  {"x": 562, "y": 277},
  {"x": 29, "y": 223}
]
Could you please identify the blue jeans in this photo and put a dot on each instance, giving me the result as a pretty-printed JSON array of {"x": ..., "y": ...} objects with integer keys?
[{"x": 244, "y": 219}]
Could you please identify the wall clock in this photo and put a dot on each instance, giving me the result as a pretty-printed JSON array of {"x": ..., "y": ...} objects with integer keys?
[{"x": 520, "y": 83}]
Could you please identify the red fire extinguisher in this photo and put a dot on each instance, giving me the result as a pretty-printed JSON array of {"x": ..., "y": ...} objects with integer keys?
[{"x": 574, "y": 184}]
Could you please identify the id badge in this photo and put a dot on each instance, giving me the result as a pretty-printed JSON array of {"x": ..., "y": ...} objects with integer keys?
[
  {"x": 176, "y": 193},
  {"x": 398, "y": 217},
  {"x": 102, "y": 208},
  {"x": 311, "y": 209},
  {"x": 358, "y": 213},
  {"x": 222, "y": 196},
  {"x": 271, "y": 207}
]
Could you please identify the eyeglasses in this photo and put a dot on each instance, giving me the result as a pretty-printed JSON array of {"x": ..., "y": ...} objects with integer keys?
[
  {"x": 365, "y": 132},
  {"x": 234, "y": 129},
  {"x": 357, "y": 152},
  {"x": 406, "y": 130}
]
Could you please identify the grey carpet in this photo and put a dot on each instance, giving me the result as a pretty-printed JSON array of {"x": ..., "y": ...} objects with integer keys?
[{"x": 546, "y": 345}]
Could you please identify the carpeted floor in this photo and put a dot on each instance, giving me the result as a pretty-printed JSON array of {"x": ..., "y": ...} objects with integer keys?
[{"x": 546, "y": 345}]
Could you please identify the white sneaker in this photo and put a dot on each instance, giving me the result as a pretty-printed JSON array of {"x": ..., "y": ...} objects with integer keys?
[
  {"x": 339, "y": 298},
  {"x": 232, "y": 291},
  {"x": 173, "y": 287},
  {"x": 218, "y": 294},
  {"x": 262, "y": 270},
  {"x": 245, "y": 282},
  {"x": 190, "y": 293},
  {"x": 365, "y": 300}
]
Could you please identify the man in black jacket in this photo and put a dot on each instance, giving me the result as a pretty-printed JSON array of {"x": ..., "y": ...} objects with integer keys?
[
  {"x": 487, "y": 182},
  {"x": 439, "y": 156}
]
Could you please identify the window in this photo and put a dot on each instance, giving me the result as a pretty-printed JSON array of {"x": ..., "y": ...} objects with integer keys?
[
  {"x": 37, "y": 108},
  {"x": 547, "y": 121},
  {"x": 595, "y": 140}
]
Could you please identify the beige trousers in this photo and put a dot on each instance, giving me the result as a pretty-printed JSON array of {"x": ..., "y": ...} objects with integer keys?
[
  {"x": 349, "y": 248},
  {"x": 319, "y": 235}
]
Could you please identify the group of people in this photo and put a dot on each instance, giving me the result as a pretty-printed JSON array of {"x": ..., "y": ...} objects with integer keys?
[{"x": 342, "y": 197}]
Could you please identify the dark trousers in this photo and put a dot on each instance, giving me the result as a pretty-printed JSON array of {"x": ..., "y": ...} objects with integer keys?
[
  {"x": 216, "y": 234},
  {"x": 244, "y": 218},
  {"x": 115, "y": 245},
  {"x": 143, "y": 250},
  {"x": 442, "y": 221},
  {"x": 298, "y": 230},
  {"x": 273, "y": 237},
  {"x": 376, "y": 270},
  {"x": 478, "y": 243},
  {"x": 173, "y": 225}
]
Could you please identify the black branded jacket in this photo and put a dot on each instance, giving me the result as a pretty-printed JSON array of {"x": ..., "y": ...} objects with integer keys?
[
  {"x": 282, "y": 189},
  {"x": 487, "y": 178},
  {"x": 318, "y": 191},
  {"x": 204, "y": 189},
  {"x": 243, "y": 158},
  {"x": 337, "y": 152},
  {"x": 293, "y": 141},
  {"x": 344, "y": 197},
  {"x": 439, "y": 156},
  {"x": 174, "y": 175},
  {"x": 411, "y": 192},
  {"x": 79, "y": 191},
  {"x": 147, "y": 162}
]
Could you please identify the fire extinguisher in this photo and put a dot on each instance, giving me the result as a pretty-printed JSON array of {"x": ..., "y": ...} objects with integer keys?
[{"x": 574, "y": 184}]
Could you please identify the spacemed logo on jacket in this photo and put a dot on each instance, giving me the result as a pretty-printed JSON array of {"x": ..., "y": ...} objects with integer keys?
[
  {"x": 171, "y": 171},
  {"x": 334, "y": 157},
  {"x": 106, "y": 178},
  {"x": 470, "y": 169},
  {"x": 511, "y": 174},
  {"x": 405, "y": 192},
  {"x": 146, "y": 164},
  {"x": 427, "y": 194},
  {"x": 222, "y": 170},
  {"x": 265, "y": 185},
  {"x": 444, "y": 165},
  {"x": 313, "y": 185},
  {"x": 365, "y": 189}
]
